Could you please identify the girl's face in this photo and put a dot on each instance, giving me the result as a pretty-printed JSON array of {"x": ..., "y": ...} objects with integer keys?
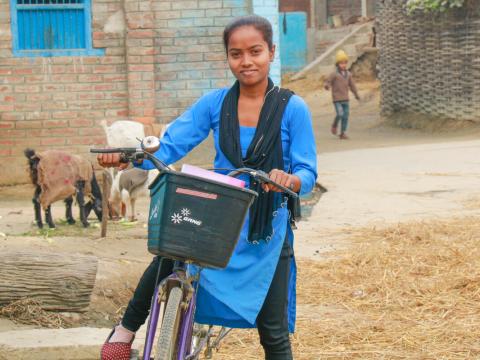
[{"x": 249, "y": 56}]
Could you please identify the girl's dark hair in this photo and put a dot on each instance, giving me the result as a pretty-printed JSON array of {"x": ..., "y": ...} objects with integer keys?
[{"x": 259, "y": 23}]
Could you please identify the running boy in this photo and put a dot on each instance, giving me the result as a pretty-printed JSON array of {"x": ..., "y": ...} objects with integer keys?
[{"x": 340, "y": 82}]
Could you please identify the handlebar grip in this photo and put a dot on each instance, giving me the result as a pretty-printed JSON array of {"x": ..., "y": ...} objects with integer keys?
[{"x": 113, "y": 150}]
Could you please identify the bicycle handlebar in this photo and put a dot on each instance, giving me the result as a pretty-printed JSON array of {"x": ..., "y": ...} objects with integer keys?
[{"x": 132, "y": 154}]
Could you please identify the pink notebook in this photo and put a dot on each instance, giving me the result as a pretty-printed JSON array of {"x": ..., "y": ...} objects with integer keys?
[{"x": 206, "y": 174}]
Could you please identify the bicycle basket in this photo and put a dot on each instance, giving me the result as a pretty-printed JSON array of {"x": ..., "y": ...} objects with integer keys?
[{"x": 195, "y": 219}]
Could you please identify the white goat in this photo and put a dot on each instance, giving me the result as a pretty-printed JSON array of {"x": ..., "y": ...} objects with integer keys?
[{"x": 130, "y": 184}]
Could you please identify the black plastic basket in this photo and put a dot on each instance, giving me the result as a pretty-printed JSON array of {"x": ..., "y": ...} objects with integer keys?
[{"x": 195, "y": 219}]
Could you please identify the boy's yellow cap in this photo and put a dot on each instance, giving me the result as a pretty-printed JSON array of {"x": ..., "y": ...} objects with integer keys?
[{"x": 341, "y": 57}]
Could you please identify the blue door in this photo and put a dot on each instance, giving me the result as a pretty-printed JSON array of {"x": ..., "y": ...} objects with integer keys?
[{"x": 293, "y": 41}]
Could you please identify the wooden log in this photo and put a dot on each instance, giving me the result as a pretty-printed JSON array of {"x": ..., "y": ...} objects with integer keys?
[{"x": 61, "y": 282}]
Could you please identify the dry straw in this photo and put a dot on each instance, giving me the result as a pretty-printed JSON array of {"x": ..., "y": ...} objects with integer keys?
[
  {"x": 29, "y": 311},
  {"x": 407, "y": 292}
]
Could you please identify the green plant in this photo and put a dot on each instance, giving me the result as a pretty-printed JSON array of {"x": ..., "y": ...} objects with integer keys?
[{"x": 430, "y": 6}]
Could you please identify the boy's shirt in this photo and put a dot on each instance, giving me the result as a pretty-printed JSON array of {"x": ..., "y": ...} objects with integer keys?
[{"x": 340, "y": 82}]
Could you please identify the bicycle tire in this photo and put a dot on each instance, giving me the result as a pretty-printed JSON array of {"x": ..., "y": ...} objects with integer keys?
[{"x": 167, "y": 340}]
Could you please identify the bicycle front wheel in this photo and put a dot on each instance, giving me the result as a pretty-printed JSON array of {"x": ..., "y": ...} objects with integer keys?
[{"x": 167, "y": 340}]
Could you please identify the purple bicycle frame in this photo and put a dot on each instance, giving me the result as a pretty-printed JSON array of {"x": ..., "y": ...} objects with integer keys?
[{"x": 184, "y": 341}]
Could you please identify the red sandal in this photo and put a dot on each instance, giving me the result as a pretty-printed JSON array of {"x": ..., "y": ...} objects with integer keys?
[{"x": 116, "y": 350}]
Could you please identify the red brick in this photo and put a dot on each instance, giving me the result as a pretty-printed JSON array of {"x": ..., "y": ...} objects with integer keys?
[
  {"x": 90, "y": 60},
  {"x": 91, "y": 96},
  {"x": 88, "y": 140},
  {"x": 98, "y": 35},
  {"x": 105, "y": 69},
  {"x": 37, "y": 115},
  {"x": 6, "y": 107},
  {"x": 33, "y": 79},
  {"x": 58, "y": 69},
  {"x": 54, "y": 87},
  {"x": 104, "y": 87},
  {"x": 97, "y": 114},
  {"x": 28, "y": 125},
  {"x": 64, "y": 96},
  {"x": 81, "y": 122},
  {"x": 5, "y": 71},
  {"x": 79, "y": 87},
  {"x": 54, "y": 105},
  {"x": 58, "y": 132},
  {"x": 96, "y": 131},
  {"x": 5, "y": 152},
  {"x": 115, "y": 77},
  {"x": 39, "y": 97},
  {"x": 141, "y": 34},
  {"x": 7, "y": 124},
  {"x": 13, "y": 79},
  {"x": 12, "y": 133},
  {"x": 145, "y": 119},
  {"x": 64, "y": 78},
  {"x": 6, "y": 142},
  {"x": 90, "y": 78},
  {"x": 27, "y": 88},
  {"x": 53, "y": 141},
  {"x": 144, "y": 67},
  {"x": 64, "y": 114},
  {"x": 55, "y": 123},
  {"x": 22, "y": 71},
  {"x": 13, "y": 116}
]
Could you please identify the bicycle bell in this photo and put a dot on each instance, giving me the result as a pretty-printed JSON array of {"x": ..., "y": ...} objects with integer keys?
[{"x": 150, "y": 144}]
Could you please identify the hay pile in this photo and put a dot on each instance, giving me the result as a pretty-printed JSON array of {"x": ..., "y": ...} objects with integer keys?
[
  {"x": 407, "y": 292},
  {"x": 29, "y": 311}
]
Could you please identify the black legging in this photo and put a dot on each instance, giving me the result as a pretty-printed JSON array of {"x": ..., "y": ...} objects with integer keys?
[{"x": 272, "y": 320}]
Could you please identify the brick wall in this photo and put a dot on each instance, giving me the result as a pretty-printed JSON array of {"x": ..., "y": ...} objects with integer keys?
[
  {"x": 160, "y": 56},
  {"x": 58, "y": 102},
  {"x": 296, "y": 5},
  {"x": 190, "y": 59},
  {"x": 346, "y": 8}
]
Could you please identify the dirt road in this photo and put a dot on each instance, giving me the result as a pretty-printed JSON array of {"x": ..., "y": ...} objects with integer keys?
[{"x": 383, "y": 175}]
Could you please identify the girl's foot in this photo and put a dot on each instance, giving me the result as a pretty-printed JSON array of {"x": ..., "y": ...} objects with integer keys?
[
  {"x": 118, "y": 345},
  {"x": 334, "y": 130},
  {"x": 344, "y": 137}
]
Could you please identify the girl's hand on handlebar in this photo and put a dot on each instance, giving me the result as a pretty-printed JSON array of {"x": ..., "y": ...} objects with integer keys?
[
  {"x": 111, "y": 160},
  {"x": 287, "y": 180}
]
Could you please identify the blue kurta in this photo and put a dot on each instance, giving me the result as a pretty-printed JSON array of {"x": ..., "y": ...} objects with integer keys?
[{"x": 233, "y": 296}]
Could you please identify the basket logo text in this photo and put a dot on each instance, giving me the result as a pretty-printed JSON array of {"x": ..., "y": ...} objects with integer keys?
[{"x": 184, "y": 216}]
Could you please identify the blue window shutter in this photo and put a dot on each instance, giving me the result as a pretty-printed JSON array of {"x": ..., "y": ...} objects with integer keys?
[{"x": 52, "y": 28}]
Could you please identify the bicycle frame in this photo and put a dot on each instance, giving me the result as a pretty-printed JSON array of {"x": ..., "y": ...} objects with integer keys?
[{"x": 178, "y": 277}]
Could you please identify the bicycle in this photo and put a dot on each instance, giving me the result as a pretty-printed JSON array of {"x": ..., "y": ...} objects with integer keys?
[{"x": 180, "y": 338}]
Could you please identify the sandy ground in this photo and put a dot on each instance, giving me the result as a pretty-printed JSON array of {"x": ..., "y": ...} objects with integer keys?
[{"x": 382, "y": 175}]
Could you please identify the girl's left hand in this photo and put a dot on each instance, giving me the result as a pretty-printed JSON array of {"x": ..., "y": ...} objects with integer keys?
[{"x": 285, "y": 179}]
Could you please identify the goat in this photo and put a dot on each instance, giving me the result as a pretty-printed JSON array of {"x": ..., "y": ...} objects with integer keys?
[
  {"x": 58, "y": 175},
  {"x": 127, "y": 186}
]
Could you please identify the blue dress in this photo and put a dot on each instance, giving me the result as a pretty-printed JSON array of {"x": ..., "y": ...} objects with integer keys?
[{"x": 233, "y": 296}]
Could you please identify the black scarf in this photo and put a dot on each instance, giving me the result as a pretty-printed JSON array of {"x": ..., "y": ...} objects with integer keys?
[{"x": 265, "y": 151}]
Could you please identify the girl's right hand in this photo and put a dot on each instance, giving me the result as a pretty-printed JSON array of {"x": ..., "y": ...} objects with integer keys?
[{"x": 111, "y": 160}]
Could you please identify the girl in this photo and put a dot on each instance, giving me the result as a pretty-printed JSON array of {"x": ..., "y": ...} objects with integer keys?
[{"x": 258, "y": 125}]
